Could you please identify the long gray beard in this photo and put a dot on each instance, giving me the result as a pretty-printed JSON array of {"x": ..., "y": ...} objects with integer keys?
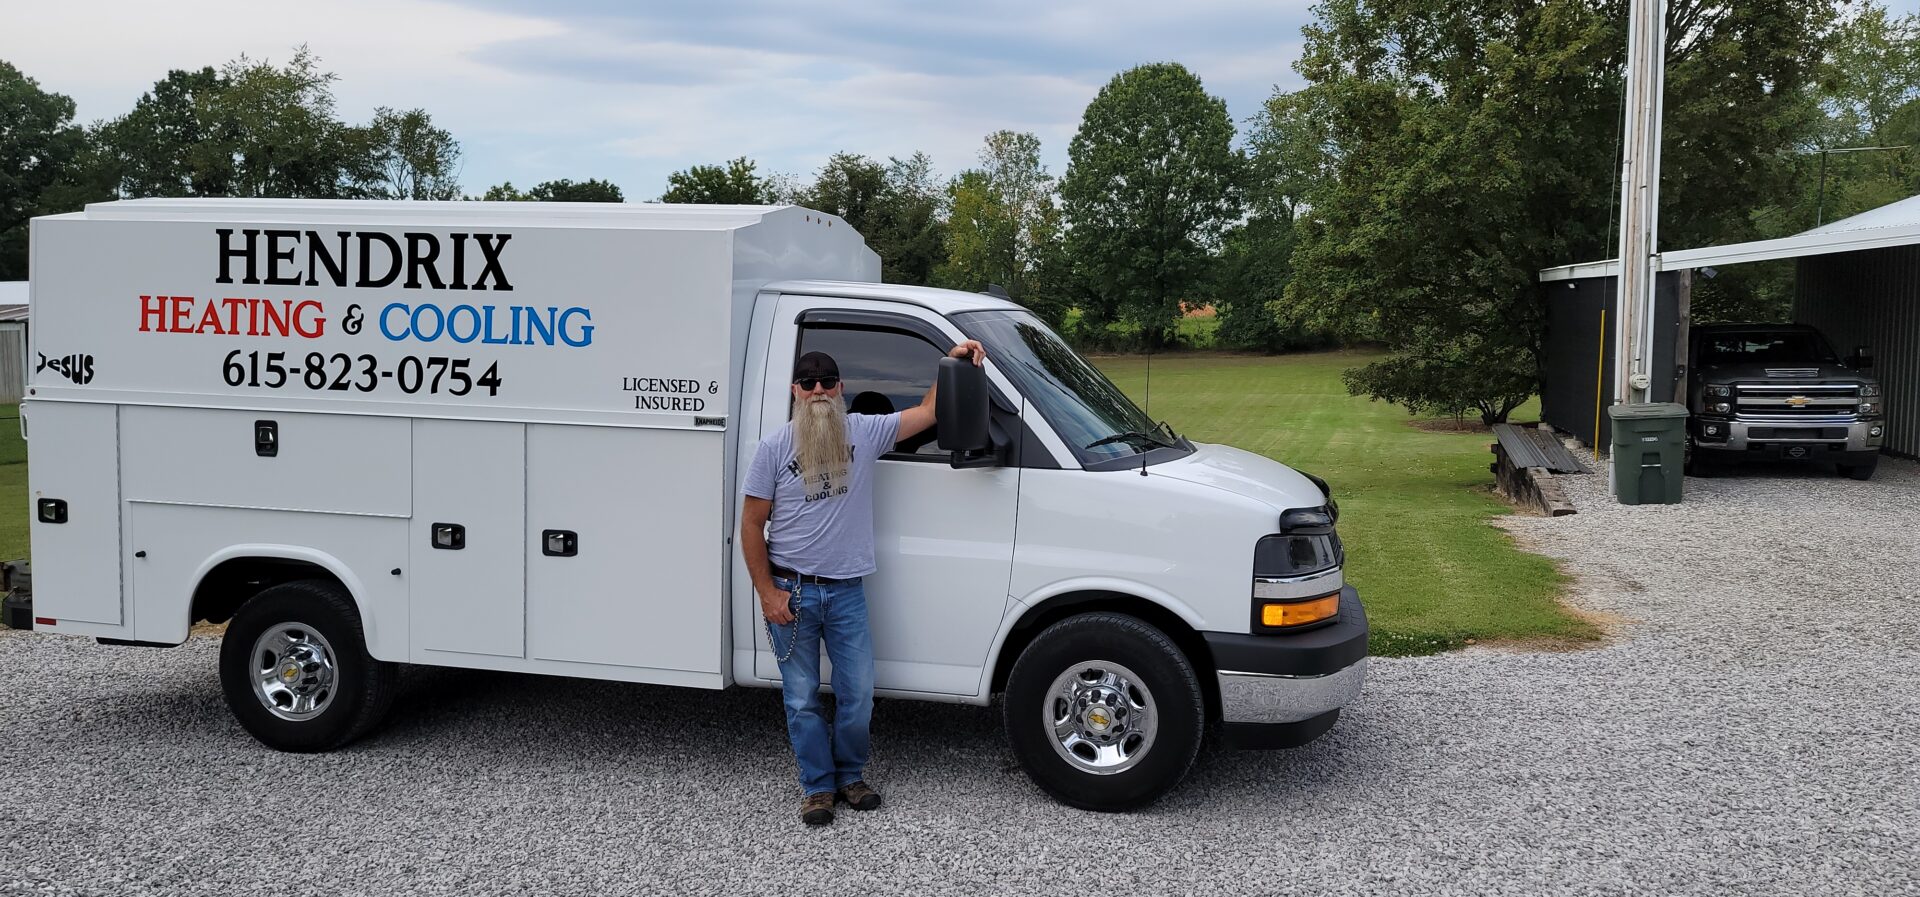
[{"x": 820, "y": 438}]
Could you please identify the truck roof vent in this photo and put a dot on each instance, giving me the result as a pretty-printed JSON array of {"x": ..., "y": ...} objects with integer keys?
[{"x": 1792, "y": 373}]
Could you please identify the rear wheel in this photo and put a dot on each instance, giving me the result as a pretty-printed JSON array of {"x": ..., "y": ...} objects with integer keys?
[
  {"x": 1104, "y": 712},
  {"x": 296, "y": 672}
]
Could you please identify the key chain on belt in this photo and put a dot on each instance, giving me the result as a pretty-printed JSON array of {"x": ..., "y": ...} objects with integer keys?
[{"x": 794, "y": 640}]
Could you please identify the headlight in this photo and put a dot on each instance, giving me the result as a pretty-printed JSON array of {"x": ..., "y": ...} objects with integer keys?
[
  {"x": 1288, "y": 556},
  {"x": 1868, "y": 407},
  {"x": 1869, "y": 390},
  {"x": 1719, "y": 390},
  {"x": 1720, "y": 407}
]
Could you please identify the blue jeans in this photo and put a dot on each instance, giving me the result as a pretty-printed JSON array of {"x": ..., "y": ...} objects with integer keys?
[{"x": 832, "y": 754}]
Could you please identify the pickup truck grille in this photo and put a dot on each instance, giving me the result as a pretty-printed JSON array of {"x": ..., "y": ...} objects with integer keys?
[{"x": 1797, "y": 401}]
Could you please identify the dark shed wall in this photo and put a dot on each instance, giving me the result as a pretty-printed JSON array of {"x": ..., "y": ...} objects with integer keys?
[
  {"x": 1872, "y": 298},
  {"x": 1577, "y": 383}
]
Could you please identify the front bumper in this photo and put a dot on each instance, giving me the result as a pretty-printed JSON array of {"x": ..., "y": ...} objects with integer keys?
[
  {"x": 1793, "y": 438},
  {"x": 1285, "y": 690}
]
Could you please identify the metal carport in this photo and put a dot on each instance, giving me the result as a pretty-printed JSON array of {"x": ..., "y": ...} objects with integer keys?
[{"x": 1857, "y": 279}]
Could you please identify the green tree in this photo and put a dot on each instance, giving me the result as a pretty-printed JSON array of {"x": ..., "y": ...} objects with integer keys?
[
  {"x": 1148, "y": 191},
  {"x": 733, "y": 183},
  {"x": 851, "y": 186},
  {"x": 275, "y": 127},
  {"x": 38, "y": 148},
  {"x": 895, "y": 206},
  {"x": 412, "y": 159},
  {"x": 562, "y": 190},
  {"x": 909, "y": 229},
  {"x": 163, "y": 147},
  {"x": 1003, "y": 218},
  {"x": 504, "y": 192},
  {"x": 1458, "y": 151},
  {"x": 1256, "y": 255}
]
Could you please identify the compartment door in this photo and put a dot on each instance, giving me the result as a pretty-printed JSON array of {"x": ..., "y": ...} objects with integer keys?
[
  {"x": 74, "y": 453},
  {"x": 641, "y": 588},
  {"x": 470, "y": 599}
]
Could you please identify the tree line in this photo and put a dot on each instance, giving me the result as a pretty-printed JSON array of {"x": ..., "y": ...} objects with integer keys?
[{"x": 1441, "y": 153}]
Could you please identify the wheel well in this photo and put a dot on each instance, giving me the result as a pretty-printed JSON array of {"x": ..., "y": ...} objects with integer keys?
[
  {"x": 1060, "y": 607},
  {"x": 226, "y": 587}
]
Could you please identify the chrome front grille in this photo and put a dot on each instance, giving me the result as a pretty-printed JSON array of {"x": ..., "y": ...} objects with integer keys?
[{"x": 1796, "y": 402}]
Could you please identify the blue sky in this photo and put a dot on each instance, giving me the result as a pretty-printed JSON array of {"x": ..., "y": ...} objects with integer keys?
[{"x": 632, "y": 91}]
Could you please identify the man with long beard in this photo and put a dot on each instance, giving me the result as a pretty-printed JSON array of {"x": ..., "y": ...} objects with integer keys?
[{"x": 806, "y": 528}]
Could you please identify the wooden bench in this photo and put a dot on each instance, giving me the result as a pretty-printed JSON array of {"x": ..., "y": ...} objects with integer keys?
[{"x": 1524, "y": 462}]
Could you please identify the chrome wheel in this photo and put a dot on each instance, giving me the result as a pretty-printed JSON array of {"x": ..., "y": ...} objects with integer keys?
[
  {"x": 1101, "y": 716},
  {"x": 294, "y": 671}
]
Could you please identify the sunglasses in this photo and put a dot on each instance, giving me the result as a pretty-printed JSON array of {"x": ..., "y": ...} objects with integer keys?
[{"x": 807, "y": 383}]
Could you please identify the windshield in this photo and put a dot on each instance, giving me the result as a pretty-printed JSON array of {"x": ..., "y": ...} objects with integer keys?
[
  {"x": 1761, "y": 347},
  {"x": 1083, "y": 406}
]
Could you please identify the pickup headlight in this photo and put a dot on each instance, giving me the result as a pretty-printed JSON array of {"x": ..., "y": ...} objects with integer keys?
[
  {"x": 1719, "y": 390},
  {"x": 1720, "y": 407},
  {"x": 1869, "y": 407},
  {"x": 1868, "y": 391}
]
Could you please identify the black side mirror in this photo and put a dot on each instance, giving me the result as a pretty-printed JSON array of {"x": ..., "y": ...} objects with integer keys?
[
  {"x": 960, "y": 407},
  {"x": 1861, "y": 360}
]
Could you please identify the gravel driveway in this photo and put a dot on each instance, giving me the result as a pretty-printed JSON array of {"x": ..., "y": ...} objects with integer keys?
[{"x": 1752, "y": 729}]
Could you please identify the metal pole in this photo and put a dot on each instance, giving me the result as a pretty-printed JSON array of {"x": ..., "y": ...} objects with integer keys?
[{"x": 1639, "y": 202}]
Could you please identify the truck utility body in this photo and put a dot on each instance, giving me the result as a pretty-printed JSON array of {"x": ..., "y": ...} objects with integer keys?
[
  {"x": 1780, "y": 391},
  {"x": 510, "y": 436}
]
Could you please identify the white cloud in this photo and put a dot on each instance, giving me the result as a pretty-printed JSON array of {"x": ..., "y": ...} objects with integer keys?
[{"x": 631, "y": 92}]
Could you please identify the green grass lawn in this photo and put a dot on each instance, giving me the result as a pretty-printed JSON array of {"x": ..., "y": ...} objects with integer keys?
[
  {"x": 1414, "y": 504},
  {"x": 13, "y": 485}
]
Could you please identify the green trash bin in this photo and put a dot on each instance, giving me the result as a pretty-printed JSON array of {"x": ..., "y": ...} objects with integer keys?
[{"x": 1649, "y": 452}]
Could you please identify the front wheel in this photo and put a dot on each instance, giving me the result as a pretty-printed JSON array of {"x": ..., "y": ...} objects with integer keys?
[
  {"x": 1859, "y": 471},
  {"x": 296, "y": 672},
  {"x": 1104, "y": 712}
]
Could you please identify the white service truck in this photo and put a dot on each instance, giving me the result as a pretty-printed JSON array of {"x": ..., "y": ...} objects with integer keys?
[{"x": 510, "y": 436}]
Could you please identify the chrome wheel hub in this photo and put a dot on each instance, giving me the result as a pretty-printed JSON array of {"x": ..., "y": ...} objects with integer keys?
[
  {"x": 1102, "y": 717},
  {"x": 294, "y": 671}
]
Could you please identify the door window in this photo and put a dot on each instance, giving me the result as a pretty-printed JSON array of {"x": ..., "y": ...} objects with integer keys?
[{"x": 881, "y": 371}]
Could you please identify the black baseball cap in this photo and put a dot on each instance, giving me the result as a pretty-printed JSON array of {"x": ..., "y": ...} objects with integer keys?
[{"x": 815, "y": 365}]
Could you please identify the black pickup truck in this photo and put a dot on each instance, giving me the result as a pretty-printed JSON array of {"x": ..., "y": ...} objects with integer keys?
[{"x": 1779, "y": 391}]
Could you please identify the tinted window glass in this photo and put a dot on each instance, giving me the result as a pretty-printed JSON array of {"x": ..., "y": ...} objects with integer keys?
[
  {"x": 1765, "y": 348},
  {"x": 1083, "y": 406},
  {"x": 881, "y": 371}
]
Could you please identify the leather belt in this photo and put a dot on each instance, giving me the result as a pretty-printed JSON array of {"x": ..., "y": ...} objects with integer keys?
[{"x": 785, "y": 573}]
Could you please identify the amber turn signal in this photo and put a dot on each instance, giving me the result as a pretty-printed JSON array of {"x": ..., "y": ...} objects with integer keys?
[{"x": 1300, "y": 613}]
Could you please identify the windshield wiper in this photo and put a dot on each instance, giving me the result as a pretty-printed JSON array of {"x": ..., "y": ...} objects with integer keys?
[{"x": 1133, "y": 438}]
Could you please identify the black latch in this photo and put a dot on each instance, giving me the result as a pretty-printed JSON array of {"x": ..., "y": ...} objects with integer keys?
[
  {"x": 266, "y": 438},
  {"x": 559, "y": 543},
  {"x": 450, "y": 536},
  {"x": 53, "y": 510}
]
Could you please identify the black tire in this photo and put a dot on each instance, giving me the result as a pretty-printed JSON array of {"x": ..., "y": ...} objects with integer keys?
[
  {"x": 356, "y": 695},
  {"x": 1171, "y": 689},
  {"x": 1859, "y": 471},
  {"x": 1695, "y": 464}
]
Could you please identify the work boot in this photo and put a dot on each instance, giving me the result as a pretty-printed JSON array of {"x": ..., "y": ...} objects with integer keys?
[
  {"x": 860, "y": 796},
  {"x": 817, "y": 809}
]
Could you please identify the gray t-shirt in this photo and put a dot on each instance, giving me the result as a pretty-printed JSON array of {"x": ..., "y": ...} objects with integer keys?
[{"x": 822, "y": 528}]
